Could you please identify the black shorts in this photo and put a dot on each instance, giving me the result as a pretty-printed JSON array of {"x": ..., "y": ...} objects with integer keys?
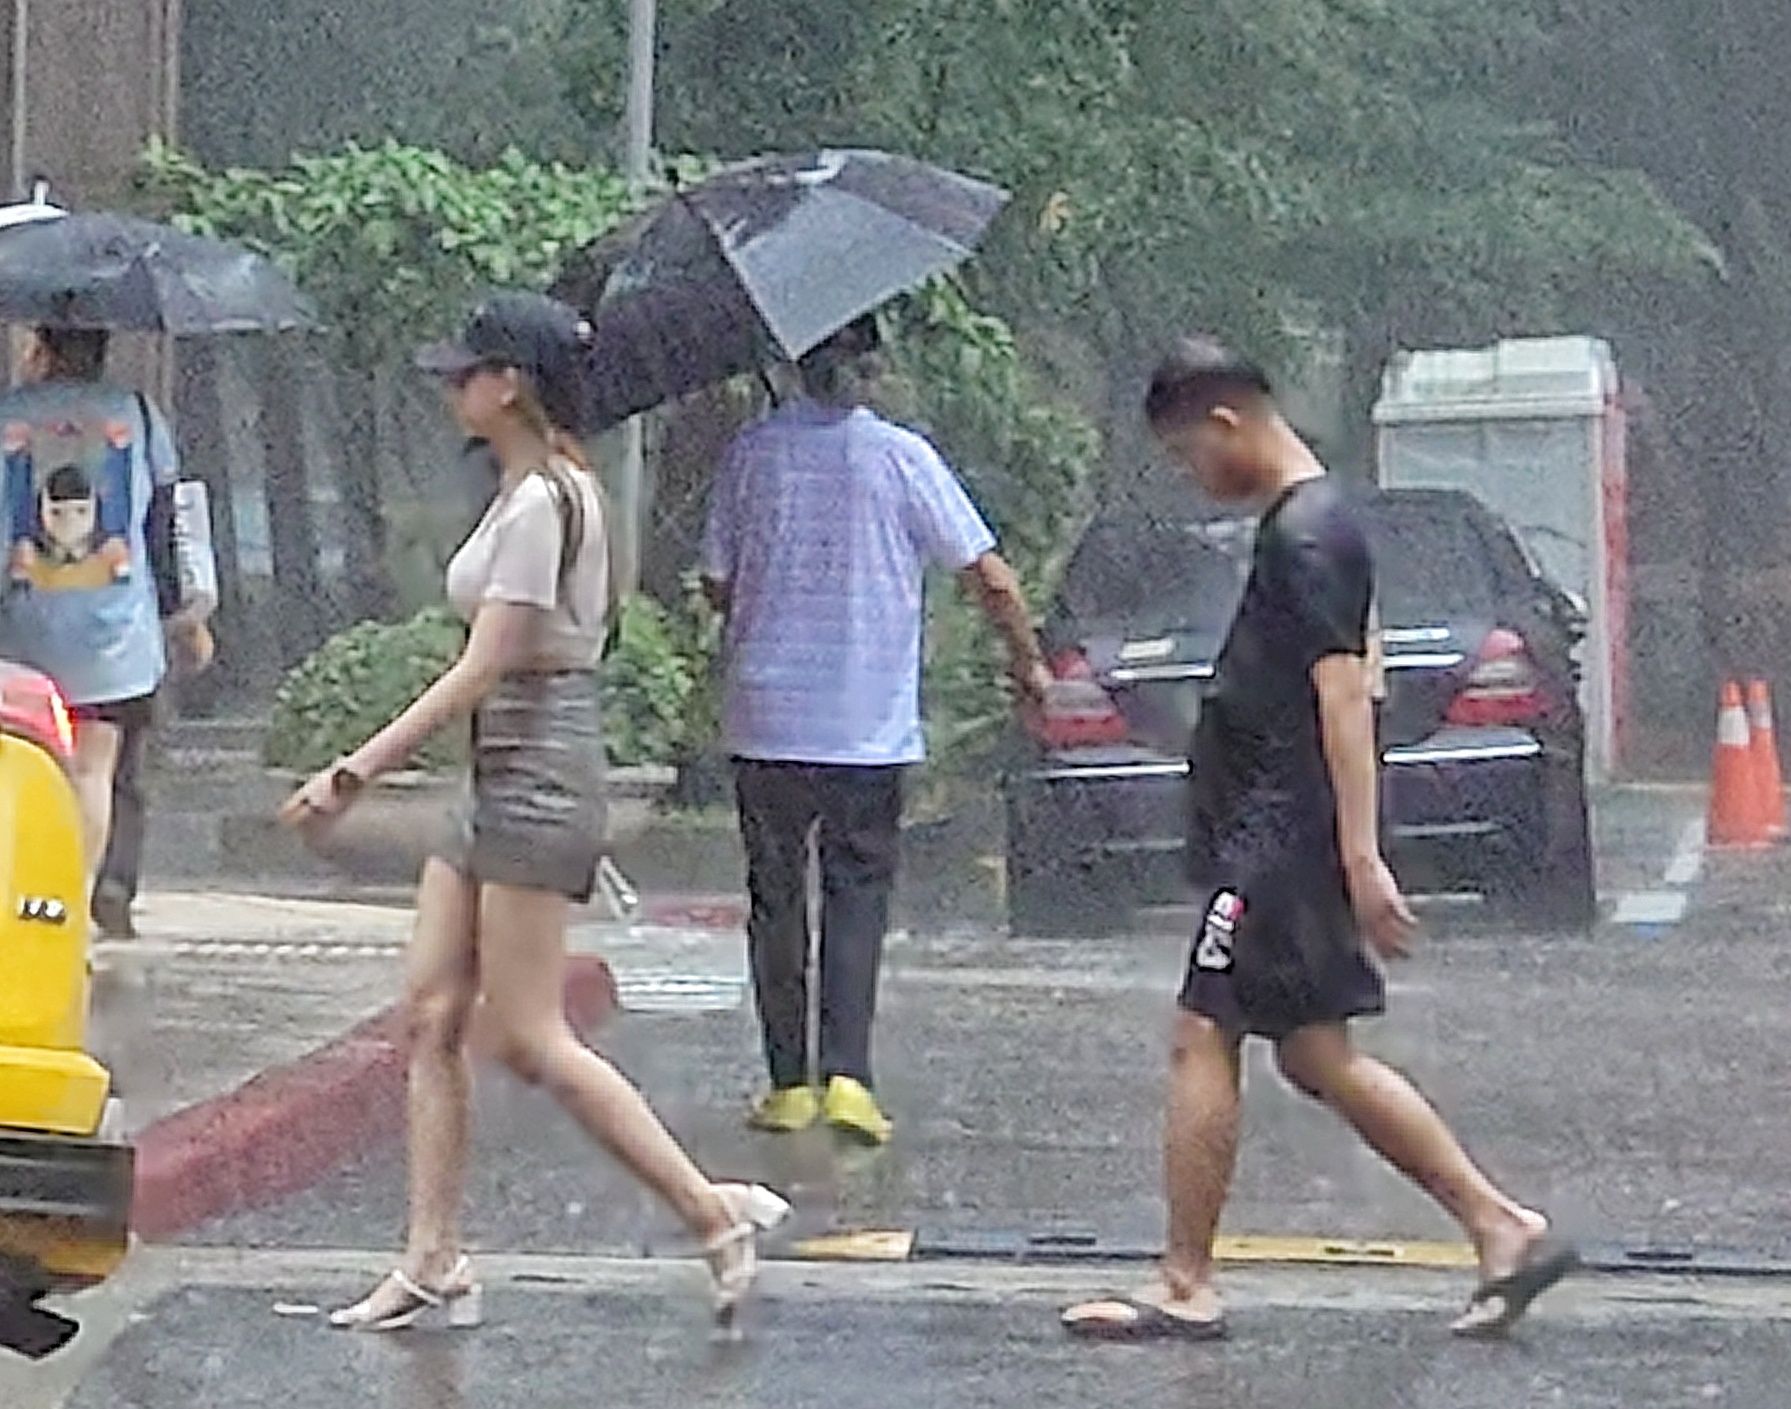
[
  {"x": 1278, "y": 951},
  {"x": 138, "y": 712}
]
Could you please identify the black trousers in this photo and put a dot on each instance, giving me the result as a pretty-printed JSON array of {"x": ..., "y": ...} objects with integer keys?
[
  {"x": 121, "y": 869},
  {"x": 857, "y": 813}
]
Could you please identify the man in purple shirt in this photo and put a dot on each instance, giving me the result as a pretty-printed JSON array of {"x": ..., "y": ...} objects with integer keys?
[{"x": 824, "y": 520}]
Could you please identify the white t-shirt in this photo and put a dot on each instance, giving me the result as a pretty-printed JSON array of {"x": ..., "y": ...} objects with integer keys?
[{"x": 513, "y": 555}]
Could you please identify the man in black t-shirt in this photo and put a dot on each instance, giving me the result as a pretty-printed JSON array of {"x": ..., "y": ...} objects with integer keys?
[{"x": 1284, "y": 844}]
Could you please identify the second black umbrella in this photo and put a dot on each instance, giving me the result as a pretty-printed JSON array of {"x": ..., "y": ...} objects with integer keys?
[
  {"x": 97, "y": 270},
  {"x": 764, "y": 261}
]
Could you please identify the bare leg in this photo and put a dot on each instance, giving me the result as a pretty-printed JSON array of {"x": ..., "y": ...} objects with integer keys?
[
  {"x": 1387, "y": 1111},
  {"x": 522, "y": 939},
  {"x": 1200, "y": 1143},
  {"x": 1200, "y": 1149},
  {"x": 441, "y": 982},
  {"x": 95, "y": 760}
]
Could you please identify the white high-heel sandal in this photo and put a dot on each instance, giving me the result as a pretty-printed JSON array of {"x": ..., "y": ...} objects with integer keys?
[
  {"x": 457, "y": 1304},
  {"x": 734, "y": 1256}
]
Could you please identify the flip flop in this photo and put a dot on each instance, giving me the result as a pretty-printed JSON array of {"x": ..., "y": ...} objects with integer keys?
[
  {"x": 1504, "y": 1300},
  {"x": 1141, "y": 1322}
]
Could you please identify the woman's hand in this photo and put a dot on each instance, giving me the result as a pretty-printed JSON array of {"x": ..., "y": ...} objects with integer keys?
[{"x": 321, "y": 799}]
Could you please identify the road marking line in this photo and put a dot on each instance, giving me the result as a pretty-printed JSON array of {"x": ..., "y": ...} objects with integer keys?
[
  {"x": 111, "y": 950},
  {"x": 869, "y": 1245},
  {"x": 897, "y": 1245},
  {"x": 1345, "y": 1251},
  {"x": 679, "y": 993},
  {"x": 1650, "y": 907},
  {"x": 1688, "y": 856}
]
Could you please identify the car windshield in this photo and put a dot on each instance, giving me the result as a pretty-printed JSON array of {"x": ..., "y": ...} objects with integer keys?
[
  {"x": 1153, "y": 575},
  {"x": 1156, "y": 575}
]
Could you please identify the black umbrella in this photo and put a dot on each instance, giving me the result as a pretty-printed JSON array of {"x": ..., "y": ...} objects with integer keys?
[
  {"x": 117, "y": 272},
  {"x": 762, "y": 262}
]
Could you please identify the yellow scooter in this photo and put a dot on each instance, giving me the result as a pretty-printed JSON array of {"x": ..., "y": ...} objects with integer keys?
[{"x": 65, "y": 1187}]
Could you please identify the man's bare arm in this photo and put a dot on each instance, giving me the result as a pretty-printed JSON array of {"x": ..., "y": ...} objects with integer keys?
[
  {"x": 1346, "y": 720},
  {"x": 1346, "y": 724},
  {"x": 996, "y": 588}
]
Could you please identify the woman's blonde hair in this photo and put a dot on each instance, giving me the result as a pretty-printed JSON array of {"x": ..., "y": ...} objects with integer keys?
[
  {"x": 560, "y": 440},
  {"x": 572, "y": 523}
]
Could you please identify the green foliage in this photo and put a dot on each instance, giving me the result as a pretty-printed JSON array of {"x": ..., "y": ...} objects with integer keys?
[
  {"x": 967, "y": 705},
  {"x": 1250, "y": 165},
  {"x": 658, "y": 687},
  {"x": 1030, "y": 462},
  {"x": 356, "y": 682},
  {"x": 646, "y": 685},
  {"x": 659, "y": 691},
  {"x": 395, "y": 241}
]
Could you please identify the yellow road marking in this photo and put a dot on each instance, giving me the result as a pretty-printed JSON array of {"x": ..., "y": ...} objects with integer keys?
[
  {"x": 1382, "y": 1252},
  {"x": 869, "y": 1245},
  {"x": 897, "y": 1245}
]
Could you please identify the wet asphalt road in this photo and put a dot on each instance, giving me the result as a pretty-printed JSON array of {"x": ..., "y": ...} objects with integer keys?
[
  {"x": 1631, "y": 1081},
  {"x": 1634, "y": 1088},
  {"x": 844, "y": 1338}
]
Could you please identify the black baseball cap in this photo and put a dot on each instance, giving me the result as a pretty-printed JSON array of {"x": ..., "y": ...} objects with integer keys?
[{"x": 541, "y": 337}]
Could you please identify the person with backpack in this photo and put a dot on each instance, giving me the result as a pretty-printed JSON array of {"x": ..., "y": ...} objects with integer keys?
[
  {"x": 533, "y": 583},
  {"x": 92, "y": 593}
]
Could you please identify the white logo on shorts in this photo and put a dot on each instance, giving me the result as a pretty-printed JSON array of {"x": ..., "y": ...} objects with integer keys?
[{"x": 1213, "y": 952}]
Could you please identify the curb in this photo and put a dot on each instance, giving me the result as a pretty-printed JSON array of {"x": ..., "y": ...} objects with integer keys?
[{"x": 290, "y": 1126}]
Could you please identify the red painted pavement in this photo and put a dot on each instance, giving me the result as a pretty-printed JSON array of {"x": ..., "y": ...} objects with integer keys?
[{"x": 290, "y": 1126}]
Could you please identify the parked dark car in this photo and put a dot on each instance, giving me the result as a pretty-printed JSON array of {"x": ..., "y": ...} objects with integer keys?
[{"x": 1482, "y": 738}]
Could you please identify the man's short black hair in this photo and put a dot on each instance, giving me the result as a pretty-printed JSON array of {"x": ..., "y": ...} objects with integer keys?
[
  {"x": 1199, "y": 373},
  {"x": 75, "y": 354},
  {"x": 844, "y": 366}
]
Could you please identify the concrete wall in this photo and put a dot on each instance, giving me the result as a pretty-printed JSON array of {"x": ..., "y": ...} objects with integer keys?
[{"x": 100, "y": 78}]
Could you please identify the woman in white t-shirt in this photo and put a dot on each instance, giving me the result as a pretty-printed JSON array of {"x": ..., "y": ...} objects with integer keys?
[{"x": 532, "y": 581}]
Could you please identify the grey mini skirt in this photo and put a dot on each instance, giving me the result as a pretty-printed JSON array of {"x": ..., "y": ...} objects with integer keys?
[{"x": 533, "y": 814}]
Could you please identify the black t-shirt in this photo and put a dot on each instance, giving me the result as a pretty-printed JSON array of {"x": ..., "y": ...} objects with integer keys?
[{"x": 1262, "y": 798}]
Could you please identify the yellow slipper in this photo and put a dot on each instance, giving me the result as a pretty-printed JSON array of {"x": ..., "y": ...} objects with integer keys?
[
  {"x": 851, "y": 1109},
  {"x": 787, "y": 1110}
]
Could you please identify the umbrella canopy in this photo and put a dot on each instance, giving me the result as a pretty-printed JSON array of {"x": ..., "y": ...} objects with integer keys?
[
  {"x": 29, "y": 212},
  {"x": 763, "y": 262},
  {"x": 124, "y": 274}
]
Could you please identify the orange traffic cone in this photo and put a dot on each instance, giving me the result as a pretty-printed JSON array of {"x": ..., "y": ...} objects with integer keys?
[
  {"x": 1769, "y": 784},
  {"x": 1735, "y": 819}
]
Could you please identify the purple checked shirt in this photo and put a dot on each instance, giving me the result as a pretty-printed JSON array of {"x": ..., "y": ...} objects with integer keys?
[{"x": 823, "y": 522}]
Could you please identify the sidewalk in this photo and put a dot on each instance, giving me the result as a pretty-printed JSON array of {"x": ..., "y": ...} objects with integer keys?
[{"x": 255, "y": 1042}]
